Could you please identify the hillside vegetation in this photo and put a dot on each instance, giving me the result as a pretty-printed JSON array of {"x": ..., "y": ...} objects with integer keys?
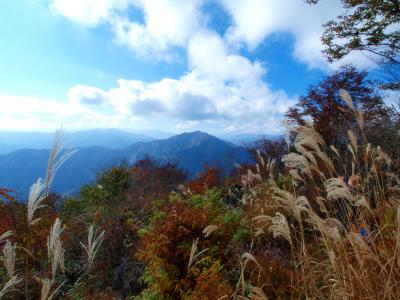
[
  {"x": 310, "y": 220},
  {"x": 316, "y": 216}
]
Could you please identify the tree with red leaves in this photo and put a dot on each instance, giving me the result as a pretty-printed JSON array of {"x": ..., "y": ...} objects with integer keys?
[
  {"x": 151, "y": 181},
  {"x": 329, "y": 113},
  {"x": 210, "y": 177}
]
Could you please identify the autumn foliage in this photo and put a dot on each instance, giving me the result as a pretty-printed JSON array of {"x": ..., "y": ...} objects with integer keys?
[{"x": 317, "y": 216}]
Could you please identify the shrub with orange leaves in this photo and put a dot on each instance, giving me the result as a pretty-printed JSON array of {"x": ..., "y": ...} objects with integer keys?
[
  {"x": 190, "y": 246},
  {"x": 210, "y": 177},
  {"x": 151, "y": 181}
]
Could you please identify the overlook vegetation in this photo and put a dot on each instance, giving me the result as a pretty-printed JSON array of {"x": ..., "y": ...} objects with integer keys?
[{"x": 317, "y": 216}]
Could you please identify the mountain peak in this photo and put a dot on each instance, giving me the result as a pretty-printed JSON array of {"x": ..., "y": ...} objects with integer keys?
[
  {"x": 196, "y": 134},
  {"x": 194, "y": 138}
]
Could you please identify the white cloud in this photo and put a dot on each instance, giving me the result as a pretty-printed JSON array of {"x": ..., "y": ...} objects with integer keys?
[
  {"x": 167, "y": 23},
  {"x": 171, "y": 24},
  {"x": 88, "y": 12},
  {"x": 255, "y": 20},
  {"x": 31, "y": 113},
  {"x": 222, "y": 88},
  {"x": 80, "y": 94},
  {"x": 172, "y": 20},
  {"x": 186, "y": 126},
  {"x": 208, "y": 53}
]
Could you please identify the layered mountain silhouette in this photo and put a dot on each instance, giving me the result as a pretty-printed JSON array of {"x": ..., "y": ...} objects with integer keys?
[
  {"x": 108, "y": 138},
  {"x": 190, "y": 151}
]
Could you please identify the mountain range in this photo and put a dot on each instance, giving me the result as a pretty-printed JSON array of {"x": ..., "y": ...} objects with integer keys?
[
  {"x": 190, "y": 151},
  {"x": 109, "y": 138}
]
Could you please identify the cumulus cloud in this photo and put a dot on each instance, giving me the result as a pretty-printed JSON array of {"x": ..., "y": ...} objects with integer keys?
[
  {"x": 185, "y": 126},
  {"x": 167, "y": 23},
  {"x": 80, "y": 94},
  {"x": 255, "y": 20},
  {"x": 220, "y": 87},
  {"x": 28, "y": 113},
  {"x": 170, "y": 24},
  {"x": 88, "y": 12}
]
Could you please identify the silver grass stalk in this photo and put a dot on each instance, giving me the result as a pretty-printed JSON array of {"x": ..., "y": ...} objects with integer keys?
[
  {"x": 46, "y": 289},
  {"x": 9, "y": 259},
  {"x": 310, "y": 156},
  {"x": 307, "y": 136},
  {"x": 262, "y": 218},
  {"x": 295, "y": 206},
  {"x": 295, "y": 174},
  {"x": 55, "y": 160},
  {"x": 360, "y": 118},
  {"x": 250, "y": 257},
  {"x": 353, "y": 140},
  {"x": 321, "y": 203},
  {"x": 383, "y": 157},
  {"x": 54, "y": 237},
  {"x": 250, "y": 178},
  {"x": 353, "y": 153},
  {"x": 35, "y": 200},
  {"x": 309, "y": 142},
  {"x": 346, "y": 98},
  {"x": 288, "y": 131},
  {"x": 326, "y": 159},
  {"x": 5, "y": 235},
  {"x": 57, "y": 259},
  {"x": 9, "y": 264},
  {"x": 93, "y": 244},
  {"x": 39, "y": 190},
  {"x": 209, "y": 230},
  {"x": 297, "y": 161},
  {"x": 257, "y": 293},
  {"x": 360, "y": 201},
  {"x": 260, "y": 158},
  {"x": 332, "y": 258},
  {"x": 262, "y": 222},
  {"x": 335, "y": 150},
  {"x": 329, "y": 227},
  {"x": 54, "y": 247},
  {"x": 368, "y": 149},
  {"x": 271, "y": 164},
  {"x": 8, "y": 286},
  {"x": 194, "y": 255},
  {"x": 280, "y": 227},
  {"x": 337, "y": 189}
]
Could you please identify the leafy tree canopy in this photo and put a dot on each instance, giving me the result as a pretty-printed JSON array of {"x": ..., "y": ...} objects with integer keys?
[
  {"x": 329, "y": 113},
  {"x": 366, "y": 25}
]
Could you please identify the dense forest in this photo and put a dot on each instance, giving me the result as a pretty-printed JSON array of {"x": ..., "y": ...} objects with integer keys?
[{"x": 316, "y": 217}]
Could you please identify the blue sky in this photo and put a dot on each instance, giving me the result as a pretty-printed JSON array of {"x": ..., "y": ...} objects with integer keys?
[{"x": 176, "y": 65}]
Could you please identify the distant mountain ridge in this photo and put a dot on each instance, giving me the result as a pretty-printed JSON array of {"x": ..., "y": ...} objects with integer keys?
[
  {"x": 107, "y": 138},
  {"x": 191, "y": 151},
  {"x": 246, "y": 138}
]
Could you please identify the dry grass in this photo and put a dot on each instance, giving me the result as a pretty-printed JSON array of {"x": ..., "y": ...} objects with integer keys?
[
  {"x": 93, "y": 245},
  {"x": 347, "y": 245},
  {"x": 39, "y": 191}
]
